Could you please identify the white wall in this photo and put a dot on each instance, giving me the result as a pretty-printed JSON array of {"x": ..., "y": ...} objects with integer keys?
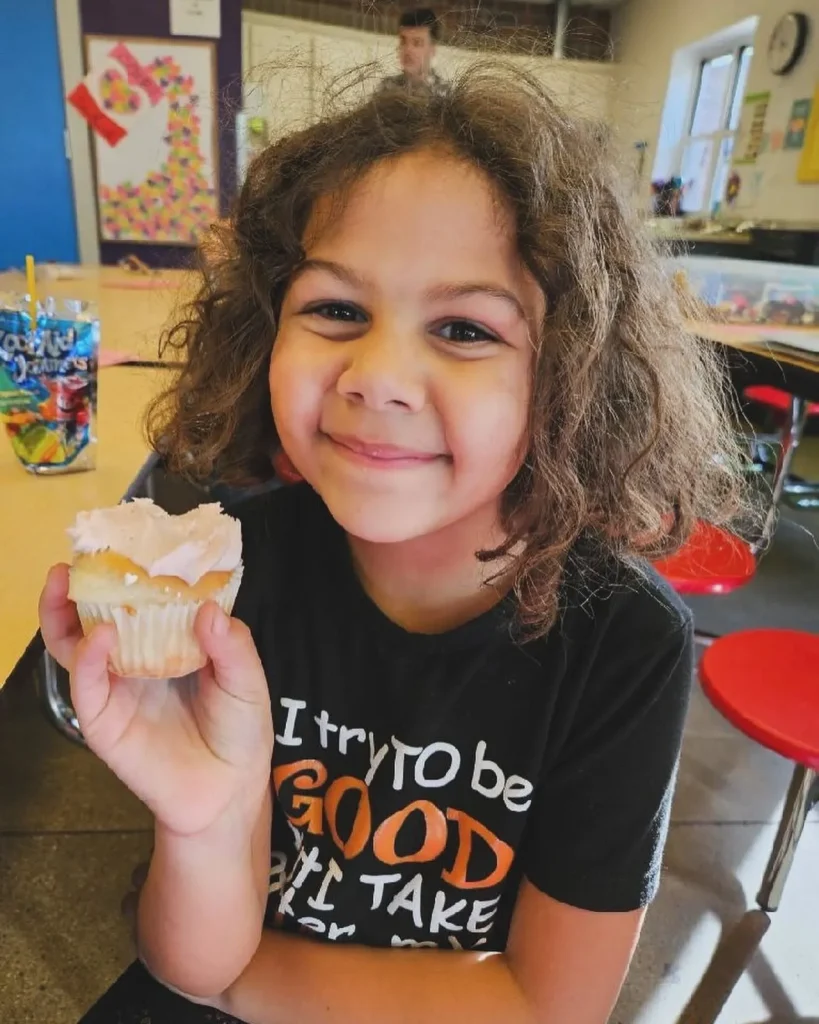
[
  {"x": 291, "y": 65},
  {"x": 652, "y": 31},
  {"x": 769, "y": 187}
]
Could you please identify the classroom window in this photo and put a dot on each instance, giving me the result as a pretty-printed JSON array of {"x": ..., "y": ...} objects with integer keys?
[{"x": 707, "y": 148}]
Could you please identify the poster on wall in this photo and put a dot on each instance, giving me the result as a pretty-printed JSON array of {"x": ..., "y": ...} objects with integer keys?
[
  {"x": 752, "y": 127},
  {"x": 159, "y": 184},
  {"x": 808, "y": 172},
  {"x": 797, "y": 123},
  {"x": 196, "y": 18}
]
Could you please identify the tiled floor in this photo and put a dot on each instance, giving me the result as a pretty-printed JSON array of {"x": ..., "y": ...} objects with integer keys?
[
  {"x": 728, "y": 802},
  {"x": 70, "y": 836}
]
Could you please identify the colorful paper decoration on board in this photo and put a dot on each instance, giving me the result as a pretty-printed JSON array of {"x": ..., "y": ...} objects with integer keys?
[
  {"x": 797, "y": 124},
  {"x": 175, "y": 202},
  {"x": 117, "y": 96},
  {"x": 808, "y": 171},
  {"x": 752, "y": 127},
  {"x": 105, "y": 93},
  {"x": 137, "y": 74}
]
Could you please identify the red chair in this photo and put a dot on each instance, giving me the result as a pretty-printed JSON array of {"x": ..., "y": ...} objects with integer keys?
[
  {"x": 793, "y": 413},
  {"x": 713, "y": 561},
  {"x": 775, "y": 399},
  {"x": 766, "y": 683}
]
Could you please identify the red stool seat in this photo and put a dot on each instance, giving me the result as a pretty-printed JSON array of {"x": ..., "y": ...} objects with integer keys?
[
  {"x": 712, "y": 562},
  {"x": 766, "y": 682},
  {"x": 775, "y": 398}
]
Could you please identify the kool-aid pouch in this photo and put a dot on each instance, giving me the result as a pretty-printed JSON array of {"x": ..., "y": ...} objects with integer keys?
[{"x": 48, "y": 383}]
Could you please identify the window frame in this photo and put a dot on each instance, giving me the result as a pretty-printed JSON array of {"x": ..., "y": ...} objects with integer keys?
[{"x": 717, "y": 137}]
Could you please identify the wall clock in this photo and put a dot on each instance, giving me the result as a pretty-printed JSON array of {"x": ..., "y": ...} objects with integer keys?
[{"x": 787, "y": 42}]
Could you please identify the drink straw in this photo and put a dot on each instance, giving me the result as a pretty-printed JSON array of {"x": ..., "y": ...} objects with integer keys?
[{"x": 32, "y": 292}]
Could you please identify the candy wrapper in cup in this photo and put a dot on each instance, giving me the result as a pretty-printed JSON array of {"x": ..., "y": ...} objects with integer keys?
[{"x": 48, "y": 383}]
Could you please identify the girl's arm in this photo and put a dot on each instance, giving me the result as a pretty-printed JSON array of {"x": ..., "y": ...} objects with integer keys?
[
  {"x": 561, "y": 963},
  {"x": 200, "y": 912},
  {"x": 198, "y": 755}
]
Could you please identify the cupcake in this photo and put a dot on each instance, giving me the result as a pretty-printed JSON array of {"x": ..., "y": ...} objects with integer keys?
[{"x": 148, "y": 573}]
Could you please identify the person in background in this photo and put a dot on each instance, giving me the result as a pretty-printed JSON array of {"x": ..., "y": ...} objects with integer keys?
[{"x": 418, "y": 32}]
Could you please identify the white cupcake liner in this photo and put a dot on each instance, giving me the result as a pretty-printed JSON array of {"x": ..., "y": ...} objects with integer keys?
[{"x": 156, "y": 641}]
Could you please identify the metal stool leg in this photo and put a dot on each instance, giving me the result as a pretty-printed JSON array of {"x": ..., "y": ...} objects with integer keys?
[
  {"x": 791, "y": 435},
  {"x": 57, "y": 710},
  {"x": 802, "y": 793},
  {"x": 792, "y": 431}
]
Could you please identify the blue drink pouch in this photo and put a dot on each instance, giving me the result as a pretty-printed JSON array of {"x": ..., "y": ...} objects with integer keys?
[{"x": 48, "y": 383}]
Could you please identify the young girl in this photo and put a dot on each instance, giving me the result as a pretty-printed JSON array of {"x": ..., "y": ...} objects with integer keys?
[{"x": 469, "y": 682}]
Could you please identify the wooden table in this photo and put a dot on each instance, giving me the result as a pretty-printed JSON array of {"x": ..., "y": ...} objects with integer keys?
[
  {"x": 35, "y": 511},
  {"x": 131, "y": 317},
  {"x": 760, "y": 342},
  {"x": 671, "y": 232},
  {"x": 778, "y": 363}
]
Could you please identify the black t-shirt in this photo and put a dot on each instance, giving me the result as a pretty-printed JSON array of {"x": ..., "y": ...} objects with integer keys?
[{"x": 418, "y": 778}]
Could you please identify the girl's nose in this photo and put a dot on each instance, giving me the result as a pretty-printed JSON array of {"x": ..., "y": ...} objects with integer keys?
[{"x": 383, "y": 372}]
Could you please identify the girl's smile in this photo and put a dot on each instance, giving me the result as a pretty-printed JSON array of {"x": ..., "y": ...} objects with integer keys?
[{"x": 379, "y": 455}]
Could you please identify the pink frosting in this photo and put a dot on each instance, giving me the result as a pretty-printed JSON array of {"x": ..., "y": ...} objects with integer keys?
[{"x": 188, "y": 546}]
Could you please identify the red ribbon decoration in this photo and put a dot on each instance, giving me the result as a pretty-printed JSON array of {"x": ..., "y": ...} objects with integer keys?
[{"x": 82, "y": 101}]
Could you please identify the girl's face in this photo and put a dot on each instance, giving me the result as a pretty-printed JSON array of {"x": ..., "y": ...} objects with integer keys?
[{"x": 401, "y": 370}]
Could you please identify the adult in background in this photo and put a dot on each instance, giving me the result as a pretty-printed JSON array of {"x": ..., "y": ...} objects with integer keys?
[{"x": 418, "y": 32}]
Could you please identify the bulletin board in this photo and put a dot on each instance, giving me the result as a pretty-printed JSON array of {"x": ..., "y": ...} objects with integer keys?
[
  {"x": 159, "y": 184},
  {"x": 751, "y": 128},
  {"x": 809, "y": 162}
]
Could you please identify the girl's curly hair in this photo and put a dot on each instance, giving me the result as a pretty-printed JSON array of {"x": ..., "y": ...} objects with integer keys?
[{"x": 629, "y": 432}]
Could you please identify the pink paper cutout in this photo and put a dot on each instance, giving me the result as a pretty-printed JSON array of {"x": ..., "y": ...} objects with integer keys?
[{"x": 137, "y": 73}]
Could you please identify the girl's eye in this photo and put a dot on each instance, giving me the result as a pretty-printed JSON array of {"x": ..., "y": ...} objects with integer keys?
[
  {"x": 464, "y": 332},
  {"x": 343, "y": 312}
]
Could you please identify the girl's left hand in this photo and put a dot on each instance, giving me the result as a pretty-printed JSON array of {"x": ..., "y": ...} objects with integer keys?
[{"x": 197, "y": 751}]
